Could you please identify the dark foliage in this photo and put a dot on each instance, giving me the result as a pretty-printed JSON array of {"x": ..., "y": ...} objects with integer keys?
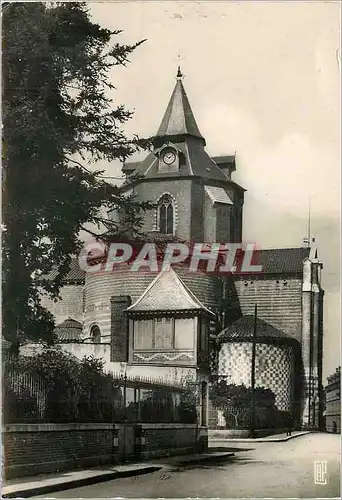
[
  {"x": 235, "y": 403},
  {"x": 58, "y": 118},
  {"x": 72, "y": 390}
]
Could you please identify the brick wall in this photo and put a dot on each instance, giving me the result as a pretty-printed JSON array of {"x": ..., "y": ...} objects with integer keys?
[
  {"x": 159, "y": 440},
  {"x": 197, "y": 212},
  {"x": 279, "y": 301},
  {"x": 99, "y": 287},
  {"x": 224, "y": 215},
  {"x": 44, "y": 448},
  {"x": 32, "y": 449}
]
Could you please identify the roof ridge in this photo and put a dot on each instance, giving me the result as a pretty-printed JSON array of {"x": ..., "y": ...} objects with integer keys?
[{"x": 281, "y": 248}]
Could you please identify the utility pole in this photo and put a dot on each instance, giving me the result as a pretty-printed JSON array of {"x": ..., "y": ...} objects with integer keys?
[
  {"x": 253, "y": 372},
  {"x": 125, "y": 413}
]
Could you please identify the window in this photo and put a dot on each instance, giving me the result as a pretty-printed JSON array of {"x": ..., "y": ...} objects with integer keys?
[
  {"x": 184, "y": 333},
  {"x": 163, "y": 333},
  {"x": 95, "y": 334},
  {"x": 143, "y": 334},
  {"x": 166, "y": 214}
]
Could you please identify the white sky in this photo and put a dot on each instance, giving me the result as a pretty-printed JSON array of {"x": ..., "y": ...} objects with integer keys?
[{"x": 263, "y": 80}]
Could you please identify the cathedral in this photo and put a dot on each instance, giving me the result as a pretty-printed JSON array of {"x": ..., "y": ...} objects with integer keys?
[{"x": 166, "y": 325}]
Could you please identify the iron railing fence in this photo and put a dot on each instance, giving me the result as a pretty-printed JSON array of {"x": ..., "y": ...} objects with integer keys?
[{"x": 112, "y": 398}]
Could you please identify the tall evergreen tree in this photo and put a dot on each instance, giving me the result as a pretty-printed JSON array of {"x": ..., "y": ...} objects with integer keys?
[{"x": 57, "y": 118}]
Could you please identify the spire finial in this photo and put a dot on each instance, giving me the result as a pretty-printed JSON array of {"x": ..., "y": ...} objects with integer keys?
[
  {"x": 179, "y": 74},
  {"x": 307, "y": 239}
]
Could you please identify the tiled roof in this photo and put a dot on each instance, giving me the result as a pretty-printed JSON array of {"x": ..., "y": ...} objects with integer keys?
[
  {"x": 179, "y": 118},
  {"x": 281, "y": 260},
  {"x": 243, "y": 328},
  {"x": 69, "y": 331},
  {"x": 167, "y": 292},
  {"x": 218, "y": 195},
  {"x": 76, "y": 274},
  {"x": 220, "y": 160},
  {"x": 196, "y": 162},
  {"x": 130, "y": 166}
]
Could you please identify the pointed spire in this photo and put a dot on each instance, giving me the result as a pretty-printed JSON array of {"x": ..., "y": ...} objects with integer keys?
[{"x": 178, "y": 118}]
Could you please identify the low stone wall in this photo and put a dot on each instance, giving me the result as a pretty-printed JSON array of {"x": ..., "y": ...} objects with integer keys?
[
  {"x": 160, "y": 440},
  {"x": 31, "y": 449},
  {"x": 242, "y": 433}
]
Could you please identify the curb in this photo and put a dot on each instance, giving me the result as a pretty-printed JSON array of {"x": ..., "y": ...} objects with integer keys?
[
  {"x": 207, "y": 458},
  {"x": 50, "y": 488},
  {"x": 259, "y": 440}
]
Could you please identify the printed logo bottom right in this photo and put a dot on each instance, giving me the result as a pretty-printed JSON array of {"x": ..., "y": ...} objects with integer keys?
[{"x": 320, "y": 472}]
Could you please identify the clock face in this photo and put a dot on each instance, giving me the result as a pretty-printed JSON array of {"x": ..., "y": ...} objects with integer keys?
[{"x": 169, "y": 157}]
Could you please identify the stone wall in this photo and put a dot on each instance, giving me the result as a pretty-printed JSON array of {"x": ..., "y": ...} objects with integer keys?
[
  {"x": 279, "y": 301},
  {"x": 243, "y": 433},
  {"x": 160, "y": 440},
  {"x": 181, "y": 190},
  {"x": 69, "y": 306},
  {"x": 32, "y": 449}
]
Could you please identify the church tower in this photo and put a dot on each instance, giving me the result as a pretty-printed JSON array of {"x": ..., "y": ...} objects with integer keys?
[{"x": 197, "y": 201}]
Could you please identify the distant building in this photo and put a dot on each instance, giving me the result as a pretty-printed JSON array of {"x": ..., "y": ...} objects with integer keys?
[{"x": 333, "y": 402}]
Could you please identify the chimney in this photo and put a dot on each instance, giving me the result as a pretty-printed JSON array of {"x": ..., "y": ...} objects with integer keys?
[{"x": 119, "y": 328}]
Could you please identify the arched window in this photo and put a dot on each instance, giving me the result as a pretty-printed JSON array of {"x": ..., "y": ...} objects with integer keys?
[
  {"x": 166, "y": 214},
  {"x": 95, "y": 334}
]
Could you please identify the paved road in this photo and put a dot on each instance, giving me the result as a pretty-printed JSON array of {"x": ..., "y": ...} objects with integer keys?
[{"x": 273, "y": 470}]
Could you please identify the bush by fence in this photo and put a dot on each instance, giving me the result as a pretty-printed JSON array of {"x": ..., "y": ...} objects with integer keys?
[
  {"x": 56, "y": 387},
  {"x": 235, "y": 402}
]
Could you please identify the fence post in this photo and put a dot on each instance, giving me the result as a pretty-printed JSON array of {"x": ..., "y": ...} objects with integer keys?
[
  {"x": 140, "y": 441},
  {"x": 115, "y": 444}
]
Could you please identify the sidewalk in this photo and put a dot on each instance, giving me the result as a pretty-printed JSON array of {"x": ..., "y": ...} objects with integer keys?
[
  {"x": 211, "y": 456},
  {"x": 43, "y": 484},
  {"x": 266, "y": 439}
]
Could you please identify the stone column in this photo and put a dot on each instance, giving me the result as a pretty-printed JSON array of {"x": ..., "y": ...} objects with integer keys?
[
  {"x": 317, "y": 333},
  {"x": 306, "y": 342},
  {"x": 119, "y": 328}
]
